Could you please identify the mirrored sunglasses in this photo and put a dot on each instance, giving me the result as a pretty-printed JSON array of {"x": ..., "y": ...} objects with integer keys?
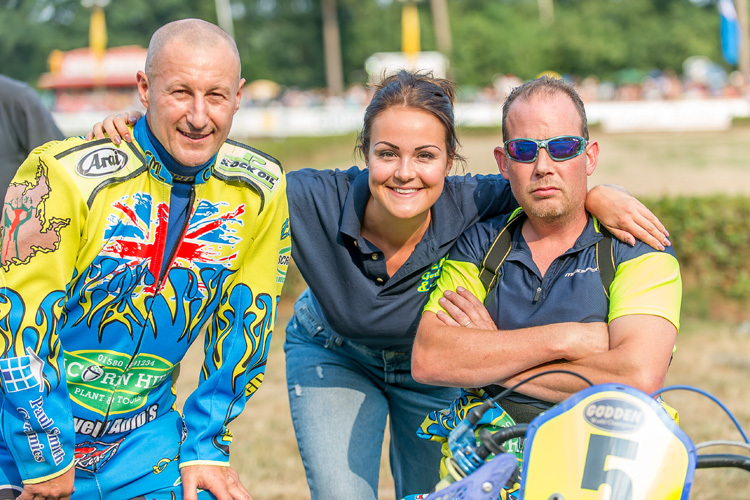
[{"x": 560, "y": 148}]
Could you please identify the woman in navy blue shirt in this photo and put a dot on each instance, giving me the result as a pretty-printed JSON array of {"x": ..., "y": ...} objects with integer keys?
[{"x": 369, "y": 243}]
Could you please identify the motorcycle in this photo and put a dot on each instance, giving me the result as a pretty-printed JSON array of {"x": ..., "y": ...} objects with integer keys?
[{"x": 608, "y": 441}]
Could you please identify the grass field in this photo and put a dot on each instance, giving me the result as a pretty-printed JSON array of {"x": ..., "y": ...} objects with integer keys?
[{"x": 712, "y": 356}]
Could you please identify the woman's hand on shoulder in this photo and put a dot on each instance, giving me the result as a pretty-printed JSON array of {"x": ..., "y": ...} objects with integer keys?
[
  {"x": 626, "y": 217},
  {"x": 115, "y": 127}
]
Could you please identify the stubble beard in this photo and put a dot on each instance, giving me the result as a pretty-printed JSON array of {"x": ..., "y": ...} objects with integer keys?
[
  {"x": 555, "y": 210},
  {"x": 550, "y": 214}
]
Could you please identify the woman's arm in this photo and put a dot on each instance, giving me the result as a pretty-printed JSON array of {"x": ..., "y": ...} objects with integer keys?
[{"x": 625, "y": 216}]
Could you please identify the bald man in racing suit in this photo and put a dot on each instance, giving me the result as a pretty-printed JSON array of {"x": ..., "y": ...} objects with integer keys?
[{"x": 113, "y": 259}]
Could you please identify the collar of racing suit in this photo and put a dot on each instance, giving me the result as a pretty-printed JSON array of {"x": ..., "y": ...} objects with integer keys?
[{"x": 175, "y": 171}]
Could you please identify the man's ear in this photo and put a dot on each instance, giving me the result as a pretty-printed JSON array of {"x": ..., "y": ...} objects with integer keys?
[
  {"x": 143, "y": 88},
  {"x": 239, "y": 95},
  {"x": 502, "y": 161},
  {"x": 592, "y": 157}
]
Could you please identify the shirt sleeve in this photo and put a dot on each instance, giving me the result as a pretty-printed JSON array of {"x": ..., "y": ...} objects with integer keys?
[
  {"x": 647, "y": 284},
  {"x": 238, "y": 338},
  {"x": 41, "y": 232},
  {"x": 454, "y": 273},
  {"x": 459, "y": 268}
]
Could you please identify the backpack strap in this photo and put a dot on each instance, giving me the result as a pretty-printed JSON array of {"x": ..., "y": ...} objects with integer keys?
[
  {"x": 498, "y": 251},
  {"x": 500, "y": 248},
  {"x": 605, "y": 259},
  {"x": 496, "y": 255}
]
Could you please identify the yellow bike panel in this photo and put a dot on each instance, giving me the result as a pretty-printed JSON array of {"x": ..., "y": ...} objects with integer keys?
[{"x": 607, "y": 442}]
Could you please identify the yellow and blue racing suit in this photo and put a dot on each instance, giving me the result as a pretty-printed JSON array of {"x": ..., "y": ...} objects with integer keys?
[{"x": 96, "y": 314}]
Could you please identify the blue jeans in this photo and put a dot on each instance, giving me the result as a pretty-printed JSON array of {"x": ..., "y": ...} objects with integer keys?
[{"x": 340, "y": 393}]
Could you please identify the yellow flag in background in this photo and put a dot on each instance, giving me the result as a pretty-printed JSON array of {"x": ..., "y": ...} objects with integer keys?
[
  {"x": 410, "y": 30},
  {"x": 98, "y": 33}
]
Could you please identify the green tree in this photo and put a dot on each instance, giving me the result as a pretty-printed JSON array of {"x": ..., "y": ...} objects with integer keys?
[
  {"x": 599, "y": 37},
  {"x": 33, "y": 28},
  {"x": 281, "y": 41},
  {"x": 502, "y": 37},
  {"x": 641, "y": 34}
]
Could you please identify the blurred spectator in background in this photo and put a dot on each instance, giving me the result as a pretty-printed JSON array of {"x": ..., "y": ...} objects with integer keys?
[{"x": 24, "y": 124}]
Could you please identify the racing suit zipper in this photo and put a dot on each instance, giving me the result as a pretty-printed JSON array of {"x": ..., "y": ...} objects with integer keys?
[
  {"x": 162, "y": 276},
  {"x": 173, "y": 251}
]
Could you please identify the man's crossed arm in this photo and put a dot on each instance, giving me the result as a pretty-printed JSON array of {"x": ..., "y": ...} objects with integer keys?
[{"x": 633, "y": 350}]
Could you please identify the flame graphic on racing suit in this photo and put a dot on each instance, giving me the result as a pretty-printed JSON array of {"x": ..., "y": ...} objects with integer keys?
[
  {"x": 12, "y": 312},
  {"x": 224, "y": 324},
  {"x": 118, "y": 311},
  {"x": 255, "y": 353}
]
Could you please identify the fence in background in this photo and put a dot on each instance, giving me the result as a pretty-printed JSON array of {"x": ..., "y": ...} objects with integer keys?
[{"x": 613, "y": 116}]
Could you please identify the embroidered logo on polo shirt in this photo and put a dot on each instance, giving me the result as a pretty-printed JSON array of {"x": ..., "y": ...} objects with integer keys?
[
  {"x": 582, "y": 271},
  {"x": 429, "y": 278}
]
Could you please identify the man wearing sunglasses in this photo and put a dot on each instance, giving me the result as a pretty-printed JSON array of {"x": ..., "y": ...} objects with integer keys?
[{"x": 547, "y": 307}]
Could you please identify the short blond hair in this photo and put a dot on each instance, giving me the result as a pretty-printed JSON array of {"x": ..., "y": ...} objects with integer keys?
[{"x": 192, "y": 33}]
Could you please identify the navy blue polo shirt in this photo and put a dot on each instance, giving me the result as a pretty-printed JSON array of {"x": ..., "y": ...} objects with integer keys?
[
  {"x": 647, "y": 281},
  {"x": 347, "y": 274}
]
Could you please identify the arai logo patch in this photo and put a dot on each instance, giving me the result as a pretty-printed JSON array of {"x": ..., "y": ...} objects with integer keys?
[
  {"x": 101, "y": 162},
  {"x": 613, "y": 415}
]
